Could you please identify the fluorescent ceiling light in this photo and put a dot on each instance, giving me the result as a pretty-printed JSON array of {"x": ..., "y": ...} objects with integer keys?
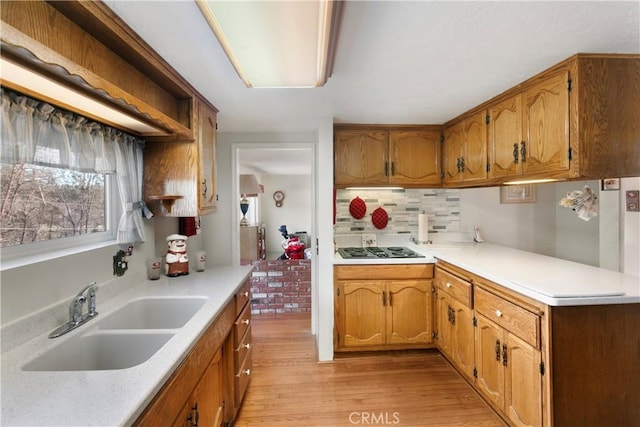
[
  {"x": 34, "y": 84},
  {"x": 276, "y": 43}
]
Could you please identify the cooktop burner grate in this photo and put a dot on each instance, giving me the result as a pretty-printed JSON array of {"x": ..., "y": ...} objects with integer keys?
[{"x": 378, "y": 252}]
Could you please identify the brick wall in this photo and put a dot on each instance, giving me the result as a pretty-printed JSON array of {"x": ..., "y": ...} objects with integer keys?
[{"x": 281, "y": 286}]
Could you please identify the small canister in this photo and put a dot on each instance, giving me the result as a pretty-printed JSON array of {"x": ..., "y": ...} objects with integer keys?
[
  {"x": 201, "y": 260},
  {"x": 154, "y": 268}
]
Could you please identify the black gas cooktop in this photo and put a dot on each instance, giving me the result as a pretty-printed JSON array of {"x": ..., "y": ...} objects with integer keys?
[{"x": 378, "y": 252}]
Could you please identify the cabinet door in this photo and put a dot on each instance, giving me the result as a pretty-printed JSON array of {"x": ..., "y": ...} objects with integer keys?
[
  {"x": 523, "y": 383},
  {"x": 204, "y": 407},
  {"x": 505, "y": 136},
  {"x": 444, "y": 326},
  {"x": 463, "y": 338},
  {"x": 546, "y": 126},
  {"x": 361, "y": 157},
  {"x": 410, "y": 319},
  {"x": 488, "y": 349},
  {"x": 415, "y": 157},
  {"x": 207, "y": 159},
  {"x": 453, "y": 143},
  {"x": 363, "y": 313},
  {"x": 475, "y": 147}
]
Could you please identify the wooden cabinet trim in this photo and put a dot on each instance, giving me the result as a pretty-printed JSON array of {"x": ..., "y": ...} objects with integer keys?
[{"x": 383, "y": 272}]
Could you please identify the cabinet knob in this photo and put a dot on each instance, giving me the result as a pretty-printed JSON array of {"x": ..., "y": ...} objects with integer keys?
[
  {"x": 245, "y": 321},
  {"x": 448, "y": 285},
  {"x": 245, "y": 294},
  {"x": 498, "y": 313},
  {"x": 247, "y": 372},
  {"x": 247, "y": 346}
]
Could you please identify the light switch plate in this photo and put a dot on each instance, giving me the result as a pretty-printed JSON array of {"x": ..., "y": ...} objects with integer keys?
[
  {"x": 369, "y": 240},
  {"x": 633, "y": 204}
]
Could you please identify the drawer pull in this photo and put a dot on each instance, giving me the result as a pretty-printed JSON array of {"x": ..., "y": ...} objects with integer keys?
[
  {"x": 498, "y": 313},
  {"x": 247, "y": 346},
  {"x": 245, "y": 321},
  {"x": 245, "y": 294},
  {"x": 247, "y": 372},
  {"x": 448, "y": 285},
  {"x": 498, "y": 350}
]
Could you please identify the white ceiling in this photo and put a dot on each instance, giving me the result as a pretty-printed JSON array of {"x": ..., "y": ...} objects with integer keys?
[{"x": 397, "y": 62}]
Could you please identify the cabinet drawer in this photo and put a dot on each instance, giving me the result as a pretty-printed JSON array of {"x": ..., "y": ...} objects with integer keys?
[
  {"x": 241, "y": 325},
  {"x": 510, "y": 316},
  {"x": 243, "y": 348},
  {"x": 242, "y": 296},
  {"x": 242, "y": 377},
  {"x": 458, "y": 288}
]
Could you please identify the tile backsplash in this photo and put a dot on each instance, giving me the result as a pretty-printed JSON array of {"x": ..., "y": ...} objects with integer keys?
[{"x": 402, "y": 206}]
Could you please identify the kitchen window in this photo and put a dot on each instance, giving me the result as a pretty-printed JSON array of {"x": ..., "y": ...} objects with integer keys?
[{"x": 66, "y": 181}]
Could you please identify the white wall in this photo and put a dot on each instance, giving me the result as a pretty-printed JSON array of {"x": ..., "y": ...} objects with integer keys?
[
  {"x": 295, "y": 211},
  {"x": 504, "y": 224},
  {"x": 630, "y": 230},
  {"x": 220, "y": 228},
  {"x": 33, "y": 287},
  {"x": 545, "y": 227}
]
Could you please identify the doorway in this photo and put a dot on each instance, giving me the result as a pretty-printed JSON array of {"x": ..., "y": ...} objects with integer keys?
[{"x": 286, "y": 174}]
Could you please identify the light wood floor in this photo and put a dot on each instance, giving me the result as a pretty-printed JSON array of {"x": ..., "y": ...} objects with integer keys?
[{"x": 289, "y": 388}]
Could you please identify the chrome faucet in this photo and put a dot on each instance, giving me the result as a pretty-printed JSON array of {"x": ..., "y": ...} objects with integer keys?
[{"x": 76, "y": 316}]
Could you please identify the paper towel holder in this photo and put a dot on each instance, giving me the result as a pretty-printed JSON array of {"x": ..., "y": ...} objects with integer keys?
[{"x": 421, "y": 238}]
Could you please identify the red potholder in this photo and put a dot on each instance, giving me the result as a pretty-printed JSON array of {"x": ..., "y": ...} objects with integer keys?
[
  {"x": 379, "y": 218},
  {"x": 357, "y": 208}
]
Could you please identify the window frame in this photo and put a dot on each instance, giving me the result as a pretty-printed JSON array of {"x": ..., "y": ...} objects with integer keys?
[{"x": 30, "y": 253}]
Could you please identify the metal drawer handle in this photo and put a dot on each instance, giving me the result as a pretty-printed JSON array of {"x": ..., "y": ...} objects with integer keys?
[
  {"x": 247, "y": 346},
  {"x": 498, "y": 313},
  {"x": 448, "y": 285},
  {"x": 247, "y": 372},
  {"x": 245, "y": 321},
  {"x": 245, "y": 294}
]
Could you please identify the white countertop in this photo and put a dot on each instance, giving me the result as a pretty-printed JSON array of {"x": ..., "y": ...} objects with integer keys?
[
  {"x": 552, "y": 281},
  {"x": 114, "y": 397}
]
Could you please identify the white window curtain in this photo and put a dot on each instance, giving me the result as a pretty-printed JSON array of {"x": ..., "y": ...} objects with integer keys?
[{"x": 38, "y": 133}]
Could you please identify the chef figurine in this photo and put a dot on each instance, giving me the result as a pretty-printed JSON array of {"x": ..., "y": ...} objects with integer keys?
[{"x": 176, "y": 261}]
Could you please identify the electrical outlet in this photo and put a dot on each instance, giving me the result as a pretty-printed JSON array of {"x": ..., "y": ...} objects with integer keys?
[{"x": 369, "y": 240}]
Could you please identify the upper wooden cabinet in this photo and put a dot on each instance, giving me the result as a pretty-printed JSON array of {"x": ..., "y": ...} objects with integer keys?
[
  {"x": 379, "y": 155},
  {"x": 179, "y": 177},
  {"x": 465, "y": 150},
  {"x": 206, "y": 158},
  {"x": 576, "y": 120}
]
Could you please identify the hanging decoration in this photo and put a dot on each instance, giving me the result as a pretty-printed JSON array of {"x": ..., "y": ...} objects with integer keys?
[
  {"x": 357, "y": 208},
  {"x": 584, "y": 203}
]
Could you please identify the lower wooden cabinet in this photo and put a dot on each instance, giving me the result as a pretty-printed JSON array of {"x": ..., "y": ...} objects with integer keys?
[
  {"x": 238, "y": 366},
  {"x": 509, "y": 373},
  {"x": 378, "y": 307},
  {"x": 455, "y": 332},
  {"x": 205, "y": 407}
]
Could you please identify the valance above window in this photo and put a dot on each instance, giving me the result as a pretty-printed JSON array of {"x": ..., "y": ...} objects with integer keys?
[{"x": 35, "y": 132}]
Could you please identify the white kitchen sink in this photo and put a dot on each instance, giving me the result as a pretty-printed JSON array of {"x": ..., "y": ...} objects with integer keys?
[
  {"x": 100, "y": 350},
  {"x": 153, "y": 313}
]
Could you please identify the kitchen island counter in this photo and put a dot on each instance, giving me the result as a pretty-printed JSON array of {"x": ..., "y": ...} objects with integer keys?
[
  {"x": 111, "y": 397},
  {"x": 550, "y": 280}
]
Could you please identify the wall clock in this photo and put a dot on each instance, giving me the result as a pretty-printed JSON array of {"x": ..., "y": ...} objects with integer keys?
[{"x": 278, "y": 196}]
